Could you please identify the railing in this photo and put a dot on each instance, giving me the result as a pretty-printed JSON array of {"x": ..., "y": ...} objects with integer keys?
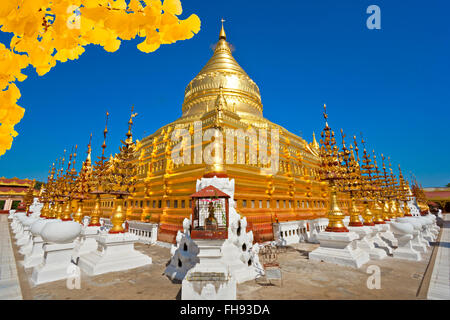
[
  {"x": 297, "y": 231},
  {"x": 146, "y": 232}
]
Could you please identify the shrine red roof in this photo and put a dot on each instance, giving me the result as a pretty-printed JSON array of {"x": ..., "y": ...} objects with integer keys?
[
  {"x": 437, "y": 194},
  {"x": 15, "y": 182},
  {"x": 210, "y": 192},
  {"x": 13, "y": 189}
]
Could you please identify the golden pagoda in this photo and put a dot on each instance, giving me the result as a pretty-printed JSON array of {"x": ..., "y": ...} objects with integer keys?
[{"x": 223, "y": 96}]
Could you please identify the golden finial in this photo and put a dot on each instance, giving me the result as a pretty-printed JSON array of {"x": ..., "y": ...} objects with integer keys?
[
  {"x": 70, "y": 160},
  {"x": 343, "y": 138},
  {"x": 325, "y": 115},
  {"x": 382, "y": 158},
  {"x": 221, "y": 103},
  {"x": 88, "y": 158},
  {"x": 63, "y": 159},
  {"x": 375, "y": 160},
  {"x": 222, "y": 34},
  {"x": 356, "y": 148},
  {"x": 74, "y": 157},
  {"x": 314, "y": 143},
  {"x": 130, "y": 122},
  {"x": 105, "y": 132}
]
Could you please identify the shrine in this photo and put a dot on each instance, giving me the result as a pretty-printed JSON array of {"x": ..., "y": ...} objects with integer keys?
[{"x": 210, "y": 214}]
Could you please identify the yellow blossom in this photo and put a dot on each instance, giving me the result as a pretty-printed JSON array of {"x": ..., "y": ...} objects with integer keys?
[{"x": 48, "y": 31}]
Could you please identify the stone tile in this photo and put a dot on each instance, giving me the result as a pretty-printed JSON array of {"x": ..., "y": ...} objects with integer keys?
[
  {"x": 439, "y": 288},
  {"x": 9, "y": 281}
]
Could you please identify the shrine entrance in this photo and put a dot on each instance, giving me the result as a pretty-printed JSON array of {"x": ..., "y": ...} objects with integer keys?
[{"x": 210, "y": 208}]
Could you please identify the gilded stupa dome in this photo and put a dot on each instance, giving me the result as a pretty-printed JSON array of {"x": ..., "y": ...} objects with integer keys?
[{"x": 222, "y": 70}]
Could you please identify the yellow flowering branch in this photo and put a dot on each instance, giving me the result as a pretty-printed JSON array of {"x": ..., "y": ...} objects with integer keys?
[{"x": 47, "y": 31}]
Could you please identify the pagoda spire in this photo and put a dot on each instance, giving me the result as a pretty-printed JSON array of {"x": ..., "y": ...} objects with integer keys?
[
  {"x": 122, "y": 176},
  {"x": 82, "y": 185},
  {"x": 129, "y": 135},
  {"x": 377, "y": 192},
  {"x": 222, "y": 34},
  {"x": 88, "y": 157},
  {"x": 351, "y": 181},
  {"x": 331, "y": 170},
  {"x": 221, "y": 102},
  {"x": 367, "y": 191},
  {"x": 98, "y": 179},
  {"x": 314, "y": 142}
]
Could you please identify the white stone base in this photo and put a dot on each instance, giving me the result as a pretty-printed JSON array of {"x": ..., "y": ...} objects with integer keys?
[
  {"x": 15, "y": 228},
  {"x": 210, "y": 279},
  {"x": 427, "y": 230},
  {"x": 378, "y": 241},
  {"x": 24, "y": 238},
  {"x": 54, "y": 267},
  {"x": 388, "y": 236},
  {"x": 27, "y": 247},
  {"x": 405, "y": 249},
  {"x": 365, "y": 233},
  {"x": 241, "y": 264},
  {"x": 418, "y": 245},
  {"x": 435, "y": 230},
  {"x": 19, "y": 233},
  {"x": 208, "y": 290},
  {"x": 241, "y": 273},
  {"x": 87, "y": 241},
  {"x": 428, "y": 235},
  {"x": 316, "y": 226},
  {"x": 115, "y": 252},
  {"x": 36, "y": 256},
  {"x": 339, "y": 248},
  {"x": 18, "y": 230}
]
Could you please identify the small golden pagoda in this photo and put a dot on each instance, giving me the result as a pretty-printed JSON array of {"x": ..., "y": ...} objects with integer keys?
[
  {"x": 334, "y": 171},
  {"x": 29, "y": 197},
  {"x": 421, "y": 198},
  {"x": 68, "y": 187},
  {"x": 222, "y": 95},
  {"x": 351, "y": 182},
  {"x": 368, "y": 189},
  {"x": 57, "y": 191},
  {"x": 82, "y": 185},
  {"x": 97, "y": 184},
  {"x": 403, "y": 192}
]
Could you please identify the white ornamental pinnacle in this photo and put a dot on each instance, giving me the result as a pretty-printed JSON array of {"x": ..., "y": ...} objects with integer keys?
[
  {"x": 184, "y": 254},
  {"x": 186, "y": 225},
  {"x": 404, "y": 233}
]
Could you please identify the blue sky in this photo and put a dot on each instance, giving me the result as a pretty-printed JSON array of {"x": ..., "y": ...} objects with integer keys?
[{"x": 391, "y": 84}]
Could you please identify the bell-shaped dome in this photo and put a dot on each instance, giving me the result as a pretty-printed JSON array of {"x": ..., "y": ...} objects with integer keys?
[{"x": 222, "y": 70}]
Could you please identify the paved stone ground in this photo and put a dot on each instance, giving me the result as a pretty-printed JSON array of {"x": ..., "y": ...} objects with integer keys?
[
  {"x": 305, "y": 279},
  {"x": 440, "y": 278},
  {"x": 147, "y": 282},
  {"x": 301, "y": 279},
  {"x": 9, "y": 281}
]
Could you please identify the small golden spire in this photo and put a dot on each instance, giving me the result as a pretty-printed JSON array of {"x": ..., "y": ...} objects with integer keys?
[
  {"x": 130, "y": 124},
  {"x": 88, "y": 158},
  {"x": 314, "y": 143},
  {"x": 105, "y": 132},
  {"x": 325, "y": 115},
  {"x": 222, "y": 34},
  {"x": 343, "y": 138},
  {"x": 221, "y": 102}
]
